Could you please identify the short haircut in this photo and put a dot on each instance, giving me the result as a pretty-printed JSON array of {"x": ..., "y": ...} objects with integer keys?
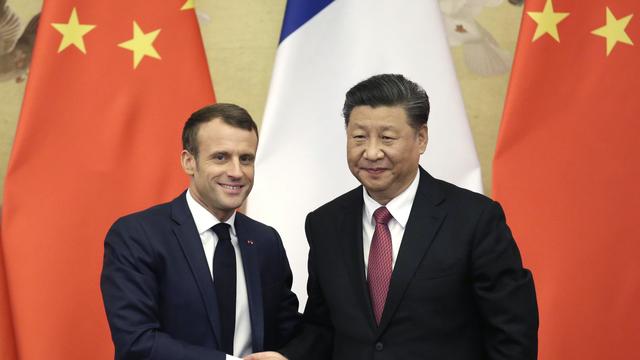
[
  {"x": 389, "y": 90},
  {"x": 230, "y": 114}
]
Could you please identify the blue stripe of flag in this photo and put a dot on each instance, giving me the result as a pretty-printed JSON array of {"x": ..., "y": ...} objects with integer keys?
[{"x": 298, "y": 12}]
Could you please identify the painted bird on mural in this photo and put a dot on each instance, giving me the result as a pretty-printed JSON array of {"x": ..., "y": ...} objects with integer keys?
[
  {"x": 482, "y": 53},
  {"x": 15, "y": 45}
]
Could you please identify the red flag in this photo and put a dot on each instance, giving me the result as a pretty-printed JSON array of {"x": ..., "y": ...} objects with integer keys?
[
  {"x": 111, "y": 85},
  {"x": 7, "y": 340},
  {"x": 567, "y": 170}
]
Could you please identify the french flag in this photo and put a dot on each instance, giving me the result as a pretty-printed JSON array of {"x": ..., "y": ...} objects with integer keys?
[{"x": 325, "y": 48}]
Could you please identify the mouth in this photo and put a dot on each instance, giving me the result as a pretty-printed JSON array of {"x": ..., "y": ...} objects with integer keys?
[
  {"x": 231, "y": 188},
  {"x": 374, "y": 171}
]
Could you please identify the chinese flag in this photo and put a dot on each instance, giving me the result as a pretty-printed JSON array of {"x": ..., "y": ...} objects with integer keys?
[
  {"x": 567, "y": 170},
  {"x": 111, "y": 85}
]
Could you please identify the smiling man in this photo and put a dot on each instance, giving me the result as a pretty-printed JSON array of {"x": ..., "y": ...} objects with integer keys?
[
  {"x": 193, "y": 278},
  {"x": 407, "y": 266}
]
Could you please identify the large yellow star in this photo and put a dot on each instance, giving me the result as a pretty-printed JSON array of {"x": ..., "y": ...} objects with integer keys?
[
  {"x": 141, "y": 44},
  {"x": 613, "y": 31},
  {"x": 73, "y": 32},
  {"x": 188, "y": 5},
  {"x": 547, "y": 21}
]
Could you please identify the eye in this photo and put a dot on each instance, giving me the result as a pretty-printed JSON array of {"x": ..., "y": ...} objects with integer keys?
[
  {"x": 247, "y": 159},
  {"x": 219, "y": 156}
]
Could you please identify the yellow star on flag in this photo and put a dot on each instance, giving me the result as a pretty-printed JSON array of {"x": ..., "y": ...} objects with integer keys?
[
  {"x": 141, "y": 44},
  {"x": 547, "y": 21},
  {"x": 613, "y": 31},
  {"x": 73, "y": 32},
  {"x": 188, "y": 5}
]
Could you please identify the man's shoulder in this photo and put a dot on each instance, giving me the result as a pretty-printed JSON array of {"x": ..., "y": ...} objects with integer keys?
[
  {"x": 464, "y": 202},
  {"x": 455, "y": 192},
  {"x": 154, "y": 214},
  {"x": 248, "y": 222},
  {"x": 264, "y": 236},
  {"x": 341, "y": 203}
]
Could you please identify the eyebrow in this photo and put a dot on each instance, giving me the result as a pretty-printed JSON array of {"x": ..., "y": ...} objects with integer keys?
[
  {"x": 383, "y": 128},
  {"x": 227, "y": 153},
  {"x": 218, "y": 152}
]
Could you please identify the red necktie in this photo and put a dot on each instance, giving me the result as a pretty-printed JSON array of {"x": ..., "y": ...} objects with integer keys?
[{"x": 380, "y": 260}]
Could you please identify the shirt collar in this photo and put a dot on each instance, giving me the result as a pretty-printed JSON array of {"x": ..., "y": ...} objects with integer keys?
[
  {"x": 399, "y": 206},
  {"x": 204, "y": 219}
]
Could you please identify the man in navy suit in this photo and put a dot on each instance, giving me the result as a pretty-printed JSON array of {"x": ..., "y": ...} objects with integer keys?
[
  {"x": 193, "y": 278},
  {"x": 407, "y": 266}
]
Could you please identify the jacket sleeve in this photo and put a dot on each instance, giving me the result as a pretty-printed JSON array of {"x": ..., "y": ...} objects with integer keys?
[
  {"x": 288, "y": 317},
  {"x": 315, "y": 338},
  {"x": 504, "y": 290},
  {"x": 131, "y": 297}
]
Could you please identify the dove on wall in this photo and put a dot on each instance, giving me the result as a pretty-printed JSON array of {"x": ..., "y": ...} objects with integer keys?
[
  {"x": 203, "y": 18},
  {"x": 15, "y": 45},
  {"x": 482, "y": 53}
]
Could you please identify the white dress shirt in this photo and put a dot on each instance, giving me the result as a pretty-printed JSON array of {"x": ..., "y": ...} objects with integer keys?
[
  {"x": 204, "y": 222},
  {"x": 399, "y": 207}
]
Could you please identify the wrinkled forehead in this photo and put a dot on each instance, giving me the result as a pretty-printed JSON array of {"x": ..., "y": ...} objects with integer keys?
[
  {"x": 380, "y": 117},
  {"x": 216, "y": 134}
]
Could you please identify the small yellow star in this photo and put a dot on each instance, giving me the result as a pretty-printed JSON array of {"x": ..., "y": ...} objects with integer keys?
[
  {"x": 614, "y": 31},
  {"x": 547, "y": 21},
  {"x": 188, "y": 5},
  {"x": 73, "y": 32},
  {"x": 141, "y": 44}
]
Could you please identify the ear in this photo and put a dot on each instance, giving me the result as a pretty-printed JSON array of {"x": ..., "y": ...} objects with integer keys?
[
  {"x": 188, "y": 162},
  {"x": 423, "y": 138}
]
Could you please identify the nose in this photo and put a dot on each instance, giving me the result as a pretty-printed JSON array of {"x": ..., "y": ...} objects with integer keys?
[
  {"x": 372, "y": 151},
  {"x": 234, "y": 169}
]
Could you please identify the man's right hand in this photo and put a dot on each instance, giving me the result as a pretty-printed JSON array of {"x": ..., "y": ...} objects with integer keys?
[{"x": 267, "y": 355}]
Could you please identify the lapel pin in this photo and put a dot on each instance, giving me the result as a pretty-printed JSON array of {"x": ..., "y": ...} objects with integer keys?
[{"x": 250, "y": 242}]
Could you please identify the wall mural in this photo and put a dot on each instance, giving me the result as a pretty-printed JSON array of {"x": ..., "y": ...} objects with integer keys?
[{"x": 16, "y": 44}]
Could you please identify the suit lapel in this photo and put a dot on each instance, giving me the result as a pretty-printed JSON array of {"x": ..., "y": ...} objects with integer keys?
[
  {"x": 424, "y": 221},
  {"x": 351, "y": 230},
  {"x": 189, "y": 240},
  {"x": 248, "y": 250}
]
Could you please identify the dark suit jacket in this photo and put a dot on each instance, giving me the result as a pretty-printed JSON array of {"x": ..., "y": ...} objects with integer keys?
[
  {"x": 458, "y": 289},
  {"x": 158, "y": 292}
]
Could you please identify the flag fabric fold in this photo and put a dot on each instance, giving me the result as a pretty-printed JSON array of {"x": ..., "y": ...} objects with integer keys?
[
  {"x": 325, "y": 49},
  {"x": 110, "y": 87},
  {"x": 566, "y": 171}
]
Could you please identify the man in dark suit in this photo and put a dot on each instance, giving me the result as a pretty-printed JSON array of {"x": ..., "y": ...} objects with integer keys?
[
  {"x": 408, "y": 266},
  {"x": 193, "y": 278}
]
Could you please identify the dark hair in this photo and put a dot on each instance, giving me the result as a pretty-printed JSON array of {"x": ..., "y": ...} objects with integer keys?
[
  {"x": 230, "y": 114},
  {"x": 389, "y": 90}
]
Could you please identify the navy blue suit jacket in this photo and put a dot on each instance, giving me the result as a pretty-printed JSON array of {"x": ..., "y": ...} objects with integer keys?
[{"x": 158, "y": 292}]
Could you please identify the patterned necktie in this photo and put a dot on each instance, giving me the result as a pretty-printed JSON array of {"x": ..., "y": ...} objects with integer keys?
[
  {"x": 224, "y": 278},
  {"x": 380, "y": 260}
]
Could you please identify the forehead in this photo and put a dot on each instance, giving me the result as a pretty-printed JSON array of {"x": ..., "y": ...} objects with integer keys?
[
  {"x": 365, "y": 116},
  {"x": 218, "y": 135}
]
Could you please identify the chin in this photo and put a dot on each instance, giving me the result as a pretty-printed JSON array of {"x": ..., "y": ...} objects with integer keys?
[
  {"x": 372, "y": 187},
  {"x": 234, "y": 204},
  {"x": 374, "y": 181}
]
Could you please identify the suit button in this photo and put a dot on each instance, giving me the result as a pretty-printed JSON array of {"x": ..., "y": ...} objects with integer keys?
[{"x": 379, "y": 346}]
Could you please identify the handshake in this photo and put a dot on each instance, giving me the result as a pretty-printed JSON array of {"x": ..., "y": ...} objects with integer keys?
[{"x": 267, "y": 355}]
